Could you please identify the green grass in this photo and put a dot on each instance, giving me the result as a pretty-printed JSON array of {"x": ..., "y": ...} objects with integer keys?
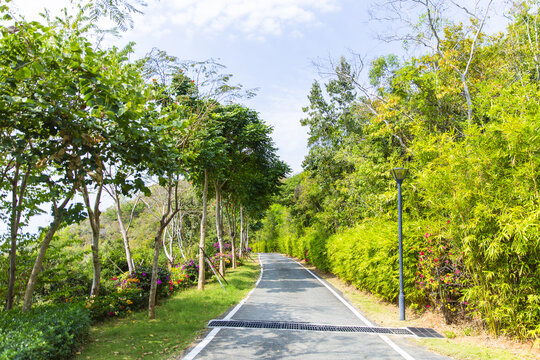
[
  {"x": 470, "y": 351},
  {"x": 179, "y": 320}
]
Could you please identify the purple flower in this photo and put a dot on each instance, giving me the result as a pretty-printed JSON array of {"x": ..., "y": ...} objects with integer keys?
[
  {"x": 158, "y": 281},
  {"x": 143, "y": 274}
]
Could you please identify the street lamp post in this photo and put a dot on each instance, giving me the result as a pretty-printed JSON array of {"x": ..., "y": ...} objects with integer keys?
[{"x": 400, "y": 174}]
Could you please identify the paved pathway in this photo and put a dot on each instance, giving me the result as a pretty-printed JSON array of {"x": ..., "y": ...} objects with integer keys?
[{"x": 289, "y": 292}]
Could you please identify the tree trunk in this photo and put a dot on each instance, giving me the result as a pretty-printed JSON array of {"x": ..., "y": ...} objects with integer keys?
[
  {"x": 247, "y": 232},
  {"x": 153, "y": 283},
  {"x": 202, "y": 242},
  {"x": 124, "y": 233},
  {"x": 94, "y": 219},
  {"x": 166, "y": 218},
  {"x": 231, "y": 220},
  {"x": 241, "y": 252},
  {"x": 219, "y": 228},
  {"x": 16, "y": 212},
  {"x": 27, "y": 303}
]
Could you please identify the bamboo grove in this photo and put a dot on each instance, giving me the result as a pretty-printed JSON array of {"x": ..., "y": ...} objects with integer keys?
[{"x": 464, "y": 117}]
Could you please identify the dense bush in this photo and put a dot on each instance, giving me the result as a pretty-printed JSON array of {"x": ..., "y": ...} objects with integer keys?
[
  {"x": 46, "y": 332},
  {"x": 116, "y": 304}
]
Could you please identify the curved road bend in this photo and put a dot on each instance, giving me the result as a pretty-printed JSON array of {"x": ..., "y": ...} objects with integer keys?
[{"x": 288, "y": 292}]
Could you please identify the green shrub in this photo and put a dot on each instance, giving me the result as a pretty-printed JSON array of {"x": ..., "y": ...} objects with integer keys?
[
  {"x": 367, "y": 256},
  {"x": 116, "y": 304},
  {"x": 46, "y": 332},
  {"x": 314, "y": 248}
]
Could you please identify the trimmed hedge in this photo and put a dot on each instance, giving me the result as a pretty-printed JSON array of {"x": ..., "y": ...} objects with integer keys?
[
  {"x": 368, "y": 257},
  {"x": 47, "y": 332}
]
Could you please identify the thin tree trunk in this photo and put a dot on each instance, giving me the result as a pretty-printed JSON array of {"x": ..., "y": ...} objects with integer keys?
[
  {"x": 241, "y": 251},
  {"x": 16, "y": 212},
  {"x": 247, "y": 232},
  {"x": 153, "y": 282},
  {"x": 231, "y": 220},
  {"x": 57, "y": 220},
  {"x": 202, "y": 242},
  {"x": 124, "y": 232},
  {"x": 219, "y": 228},
  {"x": 166, "y": 218},
  {"x": 94, "y": 218}
]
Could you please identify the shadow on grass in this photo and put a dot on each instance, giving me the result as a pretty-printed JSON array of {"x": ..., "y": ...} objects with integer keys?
[{"x": 179, "y": 320}]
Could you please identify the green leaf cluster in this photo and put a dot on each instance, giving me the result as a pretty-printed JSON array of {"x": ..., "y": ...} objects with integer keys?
[
  {"x": 465, "y": 120},
  {"x": 51, "y": 332}
]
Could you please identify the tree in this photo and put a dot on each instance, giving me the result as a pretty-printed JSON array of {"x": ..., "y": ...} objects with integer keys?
[{"x": 78, "y": 114}]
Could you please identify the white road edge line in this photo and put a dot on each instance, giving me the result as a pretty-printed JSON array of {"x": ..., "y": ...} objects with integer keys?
[
  {"x": 200, "y": 346},
  {"x": 392, "y": 344}
]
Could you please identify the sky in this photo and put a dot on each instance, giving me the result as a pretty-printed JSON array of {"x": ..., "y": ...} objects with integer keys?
[{"x": 270, "y": 45}]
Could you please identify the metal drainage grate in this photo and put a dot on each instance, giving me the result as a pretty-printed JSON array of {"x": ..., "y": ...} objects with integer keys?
[
  {"x": 425, "y": 332},
  {"x": 282, "y": 325}
]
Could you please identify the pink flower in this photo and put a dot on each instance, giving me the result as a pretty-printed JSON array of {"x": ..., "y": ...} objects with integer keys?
[{"x": 428, "y": 306}]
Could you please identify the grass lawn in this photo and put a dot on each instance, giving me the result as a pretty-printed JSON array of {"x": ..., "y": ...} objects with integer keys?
[{"x": 179, "y": 320}]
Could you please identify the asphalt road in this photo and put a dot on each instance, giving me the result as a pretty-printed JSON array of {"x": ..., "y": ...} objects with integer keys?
[{"x": 288, "y": 292}]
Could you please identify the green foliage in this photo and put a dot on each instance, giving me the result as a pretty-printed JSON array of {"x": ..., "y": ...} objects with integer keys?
[
  {"x": 47, "y": 332},
  {"x": 179, "y": 321},
  {"x": 116, "y": 304},
  {"x": 464, "y": 120}
]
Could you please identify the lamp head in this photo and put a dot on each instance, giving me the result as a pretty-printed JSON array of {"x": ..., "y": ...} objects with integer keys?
[{"x": 400, "y": 174}]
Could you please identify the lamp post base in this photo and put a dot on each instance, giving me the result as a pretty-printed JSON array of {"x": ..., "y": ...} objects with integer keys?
[{"x": 401, "y": 307}]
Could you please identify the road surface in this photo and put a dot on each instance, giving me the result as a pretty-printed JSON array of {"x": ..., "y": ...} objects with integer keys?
[{"x": 287, "y": 292}]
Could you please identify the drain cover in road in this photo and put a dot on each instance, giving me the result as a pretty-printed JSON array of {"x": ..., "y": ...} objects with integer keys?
[{"x": 283, "y": 325}]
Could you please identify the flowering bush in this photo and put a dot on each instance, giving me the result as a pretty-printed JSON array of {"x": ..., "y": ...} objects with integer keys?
[
  {"x": 115, "y": 304},
  {"x": 227, "y": 257},
  {"x": 191, "y": 269},
  {"x": 179, "y": 279},
  {"x": 440, "y": 275},
  {"x": 226, "y": 247},
  {"x": 140, "y": 280}
]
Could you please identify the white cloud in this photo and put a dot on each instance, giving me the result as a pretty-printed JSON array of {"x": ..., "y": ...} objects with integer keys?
[
  {"x": 283, "y": 110},
  {"x": 255, "y": 19}
]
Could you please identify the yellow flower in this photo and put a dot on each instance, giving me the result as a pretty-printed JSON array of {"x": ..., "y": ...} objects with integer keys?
[{"x": 129, "y": 302}]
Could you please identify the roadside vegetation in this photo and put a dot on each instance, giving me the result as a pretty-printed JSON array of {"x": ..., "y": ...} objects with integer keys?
[
  {"x": 179, "y": 321},
  {"x": 462, "y": 116},
  {"x": 188, "y": 168}
]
